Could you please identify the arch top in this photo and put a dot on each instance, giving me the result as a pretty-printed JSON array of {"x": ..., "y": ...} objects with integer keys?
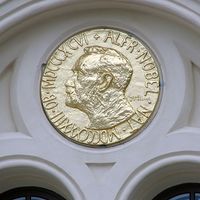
[
  {"x": 32, "y": 171},
  {"x": 13, "y": 13},
  {"x": 161, "y": 173}
]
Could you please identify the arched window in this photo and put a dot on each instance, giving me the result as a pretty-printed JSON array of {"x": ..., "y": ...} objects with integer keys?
[
  {"x": 30, "y": 193},
  {"x": 190, "y": 191}
]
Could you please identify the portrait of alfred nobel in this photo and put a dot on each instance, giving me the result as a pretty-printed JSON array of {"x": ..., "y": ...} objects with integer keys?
[{"x": 97, "y": 88}]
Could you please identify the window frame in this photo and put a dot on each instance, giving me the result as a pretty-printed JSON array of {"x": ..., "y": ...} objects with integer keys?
[
  {"x": 191, "y": 188},
  {"x": 29, "y": 192}
]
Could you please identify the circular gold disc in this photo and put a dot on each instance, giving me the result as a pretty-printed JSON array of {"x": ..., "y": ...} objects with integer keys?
[{"x": 100, "y": 87}]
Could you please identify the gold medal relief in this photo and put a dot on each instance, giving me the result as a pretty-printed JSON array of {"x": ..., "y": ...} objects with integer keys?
[{"x": 100, "y": 87}]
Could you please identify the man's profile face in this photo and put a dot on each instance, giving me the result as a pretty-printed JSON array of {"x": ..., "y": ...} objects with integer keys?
[
  {"x": 83, "y": 84},
  {"x": 97, "y": 87}
]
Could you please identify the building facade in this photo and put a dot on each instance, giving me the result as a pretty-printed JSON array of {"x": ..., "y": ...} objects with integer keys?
[{"x": 165, "y": 154}]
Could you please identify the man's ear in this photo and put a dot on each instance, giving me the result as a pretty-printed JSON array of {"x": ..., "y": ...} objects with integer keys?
[{"x": 106, "y": 80}]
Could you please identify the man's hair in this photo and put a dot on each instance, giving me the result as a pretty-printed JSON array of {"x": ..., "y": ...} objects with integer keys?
[{"x": 102, "y": 59}]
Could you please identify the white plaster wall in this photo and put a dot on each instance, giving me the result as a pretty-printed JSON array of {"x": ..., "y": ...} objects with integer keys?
[{"x": 32, "y": 153}]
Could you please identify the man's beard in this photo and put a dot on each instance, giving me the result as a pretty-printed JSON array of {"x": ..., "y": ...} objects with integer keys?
[
  {"x": 72, "y": 100},
  {"x": 77, "y": 100}
]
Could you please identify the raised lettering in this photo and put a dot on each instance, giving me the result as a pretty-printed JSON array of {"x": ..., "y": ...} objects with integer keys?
[
  {"x": 144, "y": 111},
  {"x": 55, "y": 61},
  {"x": 83, "y": 133},
  {"x": 50, "y": 74},
  {"x": 57, "y": 117},
  {"x": 50, "y": 105},
  {"x": 104, "y": 137},
  {"x": 91, "y": 135},
  {"x": 144, "y": 57},
  {"x": 137, "y": 118},
  {"x": 53, "y": 67},
  {"x": 79, "y": 40},
  {"x": 114, "y": 40},
  {"x": 148, "y": 66},
  {"x": 48, "y": 82},
  {"x": 152, "y": 84},
  {"x": 109, "y": 36},
  {"x": 59, "y": 125},
  {"x": 129, "y": 123},
  {"x": 60, "y": 55},
  {"x": 72, "y": 128},
  {"x": 132, "y": 46},
  {"x": 124, "y": 40},
  {"x": 47, "y": 99},
  {"x": 64, "y": 49},
  {"x": 150, "y": 91},
  {"x": 70, "y": 44},
  {"x": 151, "y": 75},
  {"x": 113, "y": 134}
]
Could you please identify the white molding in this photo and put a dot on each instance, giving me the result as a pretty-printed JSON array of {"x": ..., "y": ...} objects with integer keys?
[
  {"x": 29, "y": 31},
  {"x": 21, "y": 170},
  {"x": 25, "y": 10},
  {"x": 161, "y": 173}
]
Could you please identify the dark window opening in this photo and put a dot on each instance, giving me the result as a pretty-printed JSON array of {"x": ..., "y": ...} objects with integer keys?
[
  {"x": 30, "y": 193},
  {"x": 189, "y": 191}
]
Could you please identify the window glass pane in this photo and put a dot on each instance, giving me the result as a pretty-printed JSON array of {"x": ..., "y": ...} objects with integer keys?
[
  {"x": 181, "y": 197},
  {"x": 30, "y": 193},
  {"x": 197, "y": 196}
]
